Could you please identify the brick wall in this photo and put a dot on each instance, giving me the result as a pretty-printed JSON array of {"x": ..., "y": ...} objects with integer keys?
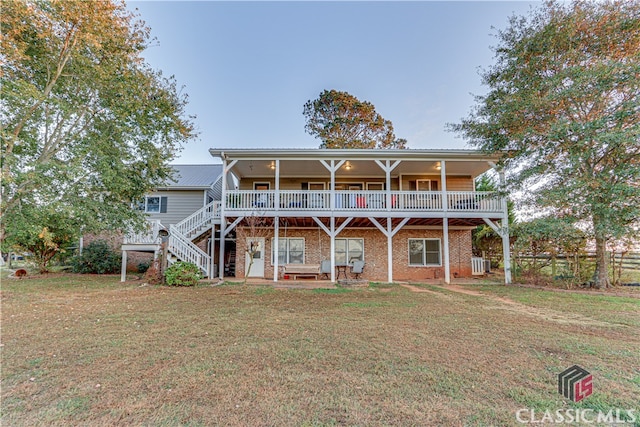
[
  {"x": 114, "y": 240},
  {"x": 317, "y": 248}
]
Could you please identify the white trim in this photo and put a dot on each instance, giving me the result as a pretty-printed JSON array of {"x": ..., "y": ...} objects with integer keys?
[
  {"x": 368, "y": 183},
  {"x": 310, "y": 183},
  {"x": 267, "y": 183},
  {"x": 418, "y": 181},
  {"x": 146, "y": 204},
  {"x": 349, "y": 183},
  {"x": 347, "y": 246}
]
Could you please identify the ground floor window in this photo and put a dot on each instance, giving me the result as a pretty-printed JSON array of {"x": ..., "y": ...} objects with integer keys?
[
  {"x": 424, "y": 252},
  {"x": 349, "y": 250},
  {"x": 290, "y": 251}
]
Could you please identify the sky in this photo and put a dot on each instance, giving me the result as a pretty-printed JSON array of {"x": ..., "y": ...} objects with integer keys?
[{"x": 249, "y": 67}]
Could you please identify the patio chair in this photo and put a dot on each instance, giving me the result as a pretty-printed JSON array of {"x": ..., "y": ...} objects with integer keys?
[
  {"x": 325, "y": 268},
  {"x": 357, "y": 268}
]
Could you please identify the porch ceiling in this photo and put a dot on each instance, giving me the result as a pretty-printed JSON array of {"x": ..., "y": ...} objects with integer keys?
[
  {"x": 307, "y": 163},
  {"x": 357, "y": 169}
]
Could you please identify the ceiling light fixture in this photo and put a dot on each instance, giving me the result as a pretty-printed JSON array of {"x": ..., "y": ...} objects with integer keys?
[
  {"x": 347, "y": 166},
  {"x": 438, "y": 167},
  {"x": 273, "y": 166}
]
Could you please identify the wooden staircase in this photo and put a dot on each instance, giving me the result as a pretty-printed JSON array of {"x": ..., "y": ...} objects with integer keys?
[{"x": 181, "y": 246}]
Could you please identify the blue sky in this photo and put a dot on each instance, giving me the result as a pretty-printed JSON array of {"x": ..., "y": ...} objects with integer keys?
[{"x": 249, "y": 67}]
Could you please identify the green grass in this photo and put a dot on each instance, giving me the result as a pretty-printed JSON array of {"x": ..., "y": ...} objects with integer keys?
[{"x": 88, "y": 350}]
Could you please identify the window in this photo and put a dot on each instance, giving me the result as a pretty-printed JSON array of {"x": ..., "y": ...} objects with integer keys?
[
  {"x": 155, "y": 204},
  {"x": 290, "y": 251},
  {"x": 424, "y": 252},
  {"x": 349, "y": 250}
]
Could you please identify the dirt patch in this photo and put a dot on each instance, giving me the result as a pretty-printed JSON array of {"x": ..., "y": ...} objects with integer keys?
[{"x": 522, "y": 309}]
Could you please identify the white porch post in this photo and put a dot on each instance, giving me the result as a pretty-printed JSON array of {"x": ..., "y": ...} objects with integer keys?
[
  {"x": 445, "y": 242},
  {"x": 389, "y": 231},
  {"x": 277, "y": 181},
  {"x": 332, "y": 238},
  {"x": 123, "y": 270},
  {"x": 506, "y": 250},
  {"x": 223, "y": 204},
  {"x": 276, "y": 247},
  {"x": 389, "y": 249},
  {"x": 445, "y": 222}
]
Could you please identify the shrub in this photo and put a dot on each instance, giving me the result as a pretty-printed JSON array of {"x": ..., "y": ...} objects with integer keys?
[
  {"x": 182, "y": 274},
  {"x": 143, "y": 267},
  {"x": 97, "y": 258}
]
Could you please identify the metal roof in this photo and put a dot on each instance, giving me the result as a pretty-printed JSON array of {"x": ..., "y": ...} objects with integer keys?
[{"x": 194, "y": 176}]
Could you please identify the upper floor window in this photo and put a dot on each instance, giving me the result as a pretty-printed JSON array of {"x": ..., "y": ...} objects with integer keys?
[
  {"x": 154, "y": 204},
  {"x": 424, "y": 252}
]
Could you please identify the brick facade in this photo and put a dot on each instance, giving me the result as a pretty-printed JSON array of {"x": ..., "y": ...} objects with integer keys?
[
  {"x": 114, "y": 240},
  {"x": 317, "y": 248}
]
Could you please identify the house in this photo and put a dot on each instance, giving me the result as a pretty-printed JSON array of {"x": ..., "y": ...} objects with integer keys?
[
  {"x": 408, "y": 214},
  {"x": 193, "y": 189},
  {"x": 405, "y": 214}
]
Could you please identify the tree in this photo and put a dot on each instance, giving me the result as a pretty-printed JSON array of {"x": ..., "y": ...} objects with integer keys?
[
  {"x": 255, "y": 229},
  {"x": 43, "y": 231},
  {"x": 341, "y": 120},
  {"x": 562, "y": 107},
  {"x": 86, "y": 125},
  {"x": 485, "y": 238},
  {"x": 551, "y": 237}
]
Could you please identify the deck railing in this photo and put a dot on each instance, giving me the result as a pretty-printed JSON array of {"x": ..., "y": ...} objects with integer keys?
[
  {"x": 149, "y": 236},
  {"x": 317, "y": 200}
]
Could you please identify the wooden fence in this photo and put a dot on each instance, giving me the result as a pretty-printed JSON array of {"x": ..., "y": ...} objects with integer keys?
[{"x": 630, "y": 261}]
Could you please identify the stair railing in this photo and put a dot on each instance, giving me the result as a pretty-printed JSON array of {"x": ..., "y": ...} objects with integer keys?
[
  {"x": 185, "y": 250},
  {"x": 199, "y": 218}
]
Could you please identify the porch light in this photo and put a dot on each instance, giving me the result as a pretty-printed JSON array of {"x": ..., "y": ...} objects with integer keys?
[
  {"x": 438, "y": 166},
  {"x": 347, "y": 166},
  {"x": 273, "y": 166}
]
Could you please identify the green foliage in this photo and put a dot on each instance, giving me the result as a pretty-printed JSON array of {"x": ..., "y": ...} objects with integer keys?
[
  {"x": 85, "y": 123},
  {"x": 551, "y": 237},
  {"x": 341, "y": 120},
  {"x": 143, "y": 267},
  {"x": 182, "y": 274},
  {"x": 44, "y": 232},
  {"x": 485, "y": 239},
  {"x": 97, "y": 258},
  {"x": 562, "y": 107}
]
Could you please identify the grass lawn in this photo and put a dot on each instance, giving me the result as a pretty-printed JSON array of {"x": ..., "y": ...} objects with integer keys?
[{"x": 88, "y": 350}]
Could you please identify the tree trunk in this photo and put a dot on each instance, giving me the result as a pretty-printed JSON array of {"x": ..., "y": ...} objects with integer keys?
[
  {"x": 246, "y": 276},
  {"x": 601, "y": 275}
]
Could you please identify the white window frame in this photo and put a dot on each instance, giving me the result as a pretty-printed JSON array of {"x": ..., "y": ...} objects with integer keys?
[
  {"x": 424, "y": 252},
  {"x": 324, "y": 185},
  {"x": 347, "y": 247},
  {"x": 146, "y": 204},
  {"x": 375, "y": 184},
  {"x": 287, "y": 254},
  {"x": 419, "y": 181}
]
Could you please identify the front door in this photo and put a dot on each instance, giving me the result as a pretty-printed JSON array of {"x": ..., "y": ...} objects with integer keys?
[{"x": 257, "y": 269}]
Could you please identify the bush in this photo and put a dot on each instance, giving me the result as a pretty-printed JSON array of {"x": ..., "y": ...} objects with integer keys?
[
  {"x": 143, "y": 267},
  {"x": 97, "y": 258},
  {"x": 182, "y": 274}
]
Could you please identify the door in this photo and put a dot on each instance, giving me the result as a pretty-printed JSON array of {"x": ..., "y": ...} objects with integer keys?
[{"x": 257, "y": 269}]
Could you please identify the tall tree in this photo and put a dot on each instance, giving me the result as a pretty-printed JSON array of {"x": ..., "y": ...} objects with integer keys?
[
  {"x": 86, "y": 125},
  {"x": 341, "y": 120},
  {"x": 563, "y": 108}
]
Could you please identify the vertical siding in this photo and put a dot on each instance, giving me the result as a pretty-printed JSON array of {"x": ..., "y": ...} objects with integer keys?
[{"x": 180, "y": 204}]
